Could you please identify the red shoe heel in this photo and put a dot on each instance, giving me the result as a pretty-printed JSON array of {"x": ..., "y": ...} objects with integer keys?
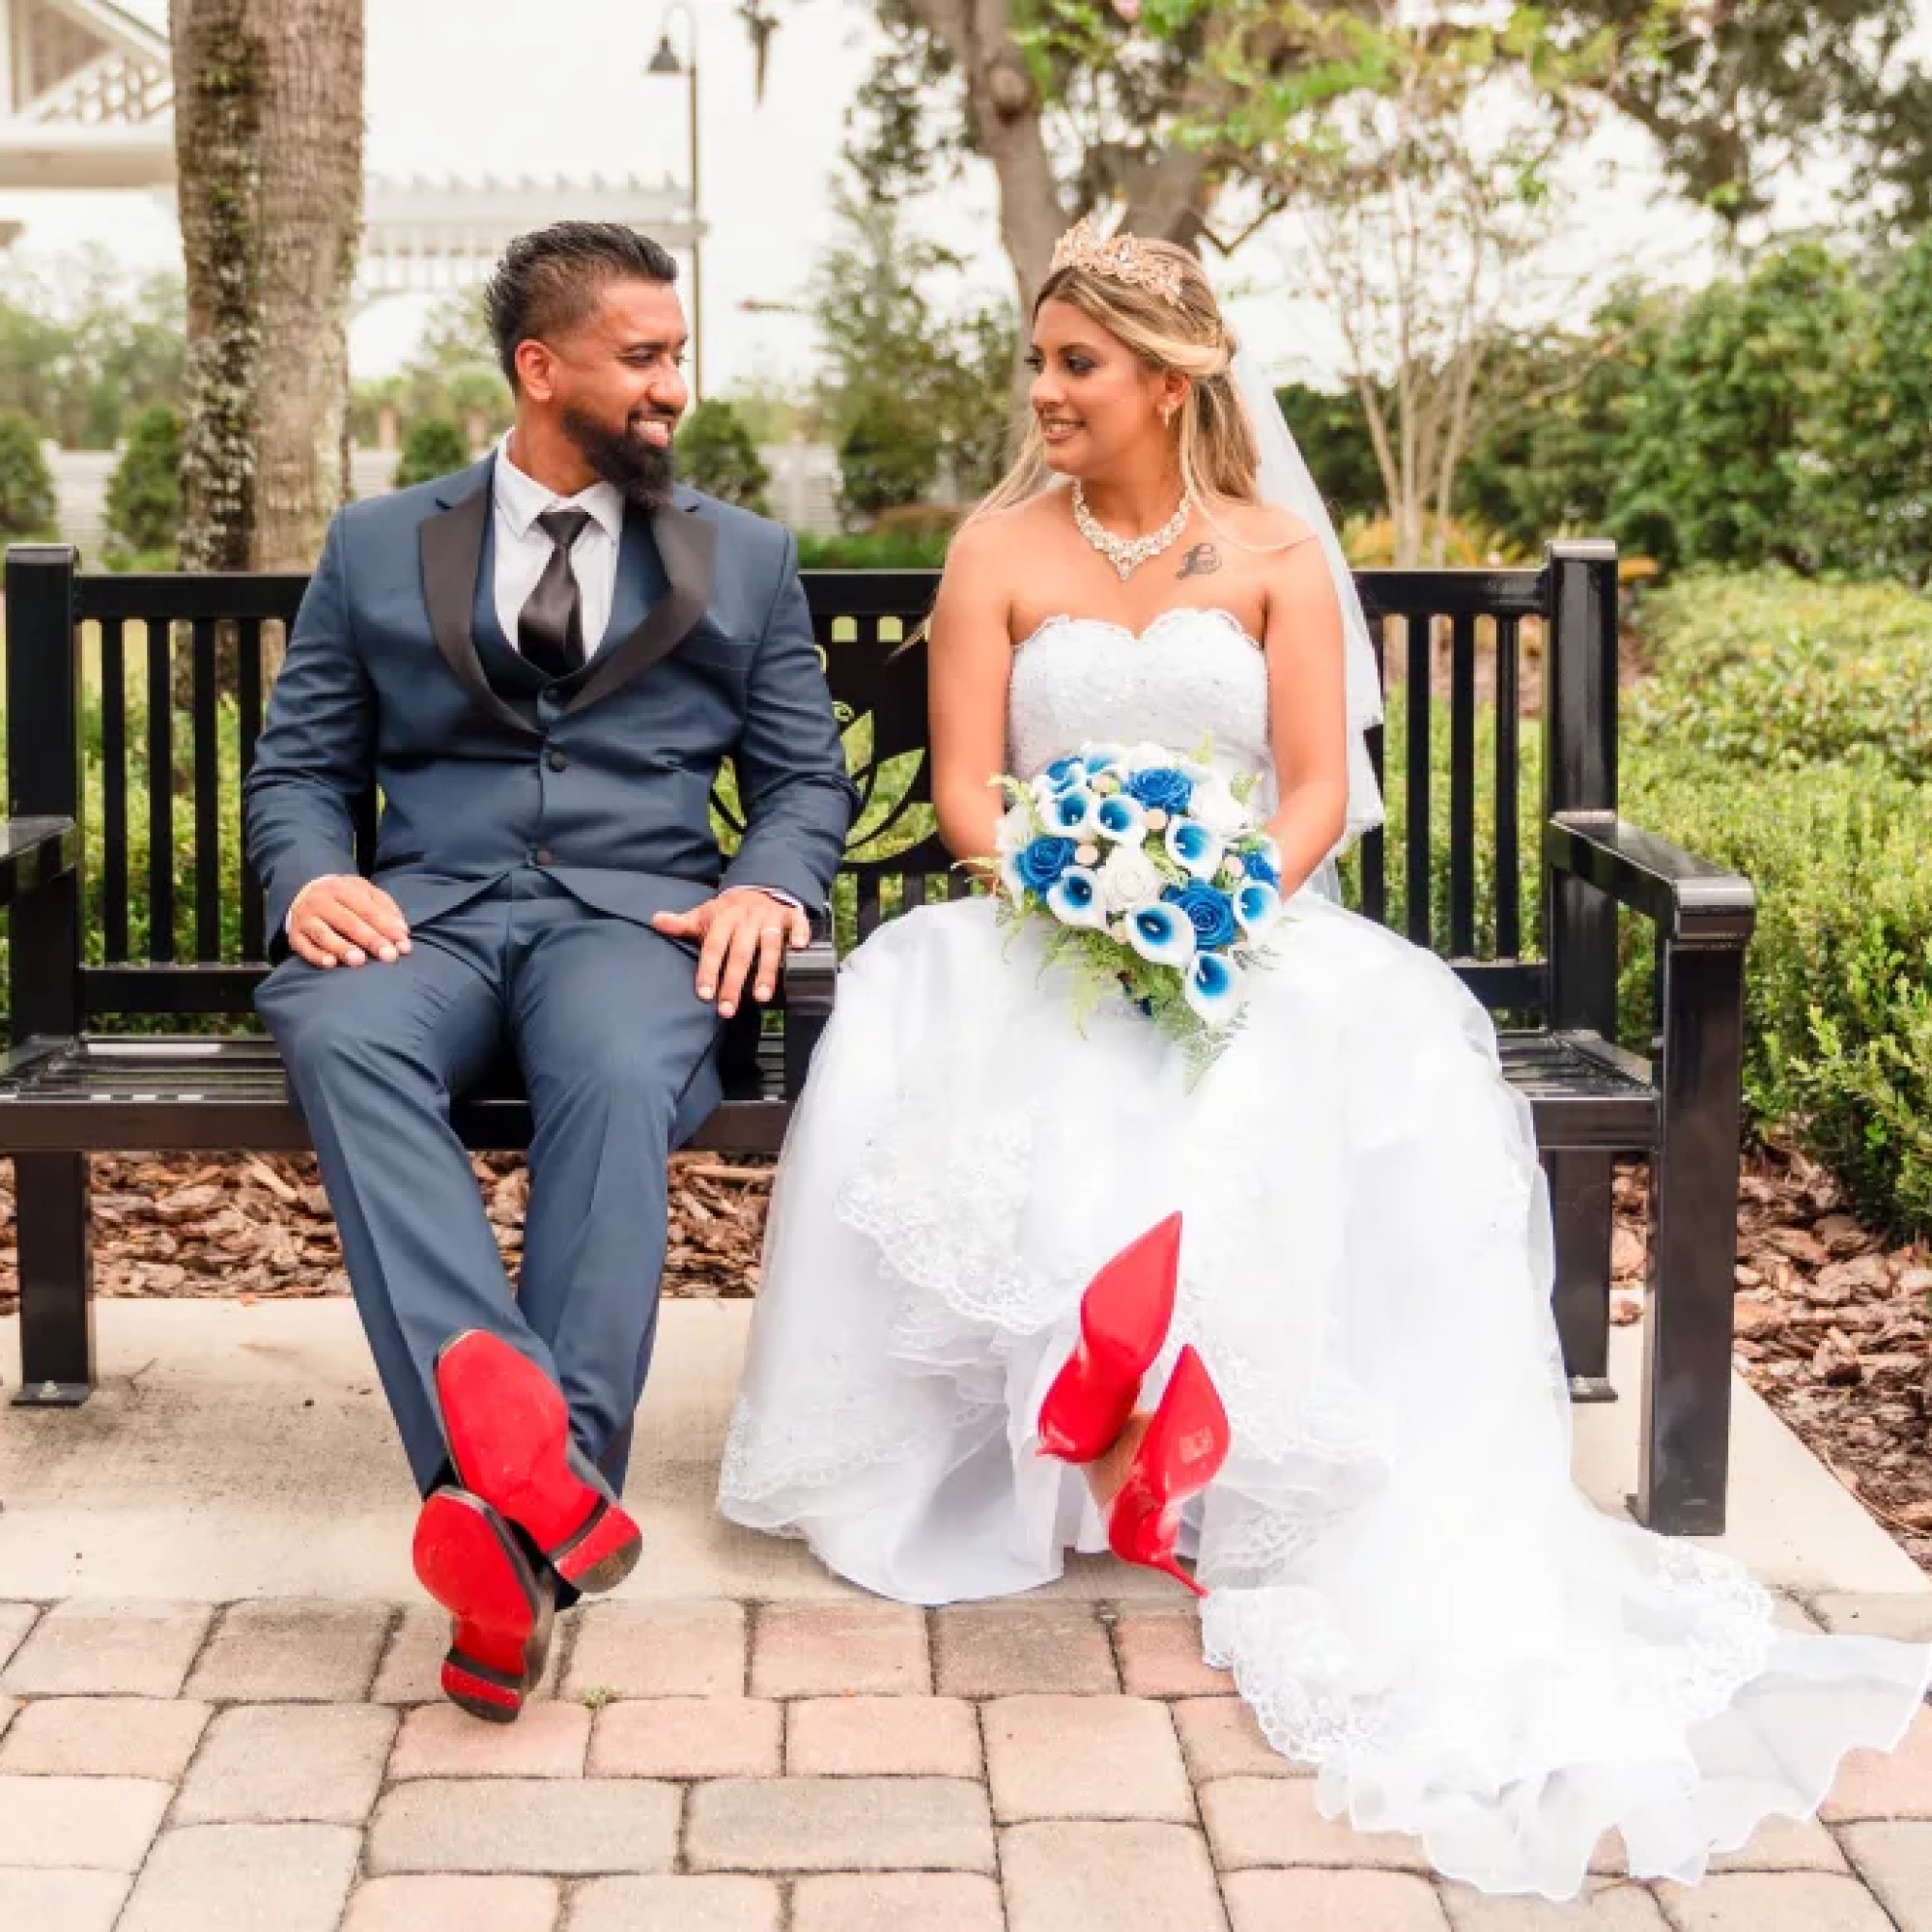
[
  {"x": 502, "y": 1611},
  {"x": 1181, "y": 1453},
  {"x": 1123, "y": 1320}
]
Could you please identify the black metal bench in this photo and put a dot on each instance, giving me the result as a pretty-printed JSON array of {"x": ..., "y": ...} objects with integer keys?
[{"x": 74, "y": 1083}]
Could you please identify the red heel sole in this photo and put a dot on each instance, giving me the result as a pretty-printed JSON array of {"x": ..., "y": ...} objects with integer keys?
[
  {"x": 1124, "y": 1317},
  {"x": 1182, "y": 1452},
  {"x": 467, "y": 1561},
  {"x": 508, "y": 1431}
]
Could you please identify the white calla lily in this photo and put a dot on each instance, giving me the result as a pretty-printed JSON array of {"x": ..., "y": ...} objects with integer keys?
[
  {"x": 1217, "y": 808},
  {"x": 1070, "y": 813},
  {"x": 1075, "y": 898},
  {"x": 1257, "y": 906},
  {"x": 1194, "y": 848},
  {"x": 1123, "y": 819},
  {"x": 1160, "y": 935},
  {"x": 1017, "y": 831},
  {"x": 1212, "y": 988}
]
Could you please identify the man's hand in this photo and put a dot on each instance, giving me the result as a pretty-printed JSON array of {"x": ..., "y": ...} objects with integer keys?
[
  {"x": 342, "y": 919},
  {"x": 738, "y": 928}
]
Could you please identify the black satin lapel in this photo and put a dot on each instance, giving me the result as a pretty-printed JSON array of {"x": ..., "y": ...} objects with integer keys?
[
  {"x": 453, "y": 552},
  {"x": 688, "y": 547}
]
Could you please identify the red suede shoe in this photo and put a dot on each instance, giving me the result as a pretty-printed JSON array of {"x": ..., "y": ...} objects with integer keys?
[
  {"x": 469, "y": 1559},
  {"x": 1123, "y": 1320},
  {"x": 509, "y": 1439}
]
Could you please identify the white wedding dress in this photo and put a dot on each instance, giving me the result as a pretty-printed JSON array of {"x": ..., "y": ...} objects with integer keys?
[{"x": 1408, "y": 1588}]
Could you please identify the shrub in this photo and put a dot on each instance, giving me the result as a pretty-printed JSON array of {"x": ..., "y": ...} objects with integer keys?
[
  {"x": 889, "y": 456},
  {"x": 1771, "y": 670},
  {"x": 716, "y": 454},
  {"x": 27, "y": 505},
  {"x": 144, "y": 491},
  {"x": 434, "y": 447}
]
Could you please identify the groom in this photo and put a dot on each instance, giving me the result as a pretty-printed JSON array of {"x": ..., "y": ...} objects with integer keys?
[{"x": 540, "y": 662}]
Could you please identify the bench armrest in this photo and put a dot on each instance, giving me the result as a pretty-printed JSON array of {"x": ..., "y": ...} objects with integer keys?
[
  {"x": 34, "y": 852},
  {"x": 809, "y": 985},
  {"x": 1691, "y": 901}
]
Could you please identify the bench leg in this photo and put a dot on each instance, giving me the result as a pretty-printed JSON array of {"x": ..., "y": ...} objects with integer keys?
[
  {"x": 1693, "y": 1194},
  {"x": 1579, "y": 1208},
  {"x": 56, "y": 1277}
]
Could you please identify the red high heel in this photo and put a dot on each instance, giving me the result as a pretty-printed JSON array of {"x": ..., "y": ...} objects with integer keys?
[
  {"x": 1124, "y": 1320},
  {"x": 1180, "y": 1454}
]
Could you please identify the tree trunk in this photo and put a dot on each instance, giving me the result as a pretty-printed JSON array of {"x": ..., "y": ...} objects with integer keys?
[
  {"x": 1007, "y": 112},
  {"x": 269, "y": 156}
]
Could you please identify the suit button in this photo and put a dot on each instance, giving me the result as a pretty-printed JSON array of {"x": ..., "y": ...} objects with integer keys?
[
  {"x": 556, "y": 760},
  {"x": 544, "y": 855}
]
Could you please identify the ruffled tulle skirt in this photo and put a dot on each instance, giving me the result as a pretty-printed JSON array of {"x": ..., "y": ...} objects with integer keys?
[{"x": 1410, "y": 1591}]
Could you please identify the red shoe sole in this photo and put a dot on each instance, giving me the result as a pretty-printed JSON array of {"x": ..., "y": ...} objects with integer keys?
[
  {"x": 508, "y": 1431},
  {"x": 1124, "y": 1317},
  {"x": 1181, "y": 1453},
  {"x": 466, "y": 1560}
]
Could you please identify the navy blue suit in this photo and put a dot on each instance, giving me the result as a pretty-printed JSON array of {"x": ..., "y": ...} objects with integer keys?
[{"x": 530, "y": 830}]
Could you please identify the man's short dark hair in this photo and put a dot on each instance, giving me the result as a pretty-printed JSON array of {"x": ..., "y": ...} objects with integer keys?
[{"x": 547, "y": 282}]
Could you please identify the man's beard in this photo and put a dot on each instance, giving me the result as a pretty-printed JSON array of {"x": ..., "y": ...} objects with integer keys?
[{"x": 643, "y": 471}]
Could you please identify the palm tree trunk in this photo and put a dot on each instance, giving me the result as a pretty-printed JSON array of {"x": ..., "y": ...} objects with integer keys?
[{"x": 268, "y": 156}]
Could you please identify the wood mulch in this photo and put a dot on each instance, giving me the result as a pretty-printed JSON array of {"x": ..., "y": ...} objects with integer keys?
[{"x": 1832, "y": 1320}]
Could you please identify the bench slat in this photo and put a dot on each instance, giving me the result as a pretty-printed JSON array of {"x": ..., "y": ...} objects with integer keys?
[
  {"x": 207, "y": 793},
  {"x": 1509, "y": 910},
  {"x": 1415, "y": 797},
  {"x": 114, "y": 788},
  {"x": 161, "y": 794}
]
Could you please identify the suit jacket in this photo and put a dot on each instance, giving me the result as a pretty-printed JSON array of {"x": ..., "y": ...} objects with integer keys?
[{"x": 602, "y": 779}]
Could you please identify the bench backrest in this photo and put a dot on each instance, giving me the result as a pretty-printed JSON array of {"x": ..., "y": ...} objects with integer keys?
[{"x": 156, "y": 784}]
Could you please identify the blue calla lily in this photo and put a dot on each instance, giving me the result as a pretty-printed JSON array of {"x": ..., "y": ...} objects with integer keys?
[
  {"x": 1212, "y": 988},
  {"x": 1257, "y": 905},
  {"x": 1194, "y": 848},
  {"x": 1064, "y": 771},
  {"x": 1075, "y": 898},
  {"x": 1123, "y": 819},
  {"x": 1161, "y": 934},
  {"x": 1070, "y": 814}
]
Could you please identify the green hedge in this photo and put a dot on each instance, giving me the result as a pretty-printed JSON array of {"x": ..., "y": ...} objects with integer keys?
[{"x": 1774, "y": 669}]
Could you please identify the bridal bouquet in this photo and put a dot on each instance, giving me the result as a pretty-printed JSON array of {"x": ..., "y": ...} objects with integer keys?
[{"x": 1152, "y": 873}]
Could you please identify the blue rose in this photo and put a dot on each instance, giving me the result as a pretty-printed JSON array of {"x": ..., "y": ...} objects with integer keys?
[
  {"x": 1042, "y": 861},
  {"x": 1162, "y": 789},
  {"x": 1258, "y": 868},
  {"x": 1210, "y": 912}
]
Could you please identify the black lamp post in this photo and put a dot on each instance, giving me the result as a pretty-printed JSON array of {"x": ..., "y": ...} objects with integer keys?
[{"x": 666, "y": 61}]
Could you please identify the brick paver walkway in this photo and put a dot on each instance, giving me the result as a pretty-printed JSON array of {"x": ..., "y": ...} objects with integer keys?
[{"x": 719, "y": 1766}]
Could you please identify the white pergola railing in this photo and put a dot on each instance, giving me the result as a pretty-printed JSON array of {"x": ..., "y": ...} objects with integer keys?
[{"x": 88, "y": 103}]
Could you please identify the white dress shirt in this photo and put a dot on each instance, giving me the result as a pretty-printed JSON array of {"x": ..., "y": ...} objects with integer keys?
[{"x": 522, "y": 549}]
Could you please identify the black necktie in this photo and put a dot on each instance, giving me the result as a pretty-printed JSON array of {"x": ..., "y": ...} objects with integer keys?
[{"x": 550, "y": 627}]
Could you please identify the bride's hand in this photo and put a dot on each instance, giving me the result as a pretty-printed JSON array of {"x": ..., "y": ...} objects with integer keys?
[{"x": 738, "y": 928}]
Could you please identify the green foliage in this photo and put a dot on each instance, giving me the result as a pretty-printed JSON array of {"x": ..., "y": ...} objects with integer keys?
[
  {"x": 27, "y": 506},
  {"x": 144, "y": 504},
  {"x": 453, "y": 374},
  {"x": 716, "y": 454},
  {"x": 1772, "y": 670},
  {"x": 1838, "y": 996},
  {"x": 1865, "y": 484},
  {"x": 873, "y": 549},
  {"x": 1711, "y": 461},
  {"x": 888, "y": 456},
  {"x": 432, "y": 448},
  {"x": 1555, "y": 418},
  {"x": 84, "y": 349},
  {"x": 1341, "y": 455},
  {"x": 909, "y": 386}
]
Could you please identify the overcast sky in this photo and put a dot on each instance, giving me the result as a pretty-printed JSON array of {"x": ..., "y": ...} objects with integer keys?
[{"x": 468, "y": 88}]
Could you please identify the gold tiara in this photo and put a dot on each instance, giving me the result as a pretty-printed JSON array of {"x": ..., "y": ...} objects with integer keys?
[{"x": 1123, "y": 257}]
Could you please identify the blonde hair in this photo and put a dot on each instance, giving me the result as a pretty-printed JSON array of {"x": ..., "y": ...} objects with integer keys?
[{"x": 1185, "y": 334}]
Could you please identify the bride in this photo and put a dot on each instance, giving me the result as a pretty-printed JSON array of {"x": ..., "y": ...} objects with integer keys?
[{"x": 1027, "y": 1287}]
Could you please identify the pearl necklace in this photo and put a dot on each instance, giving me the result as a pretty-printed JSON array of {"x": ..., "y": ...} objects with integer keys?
[{"x": 1127, "y": 554}]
